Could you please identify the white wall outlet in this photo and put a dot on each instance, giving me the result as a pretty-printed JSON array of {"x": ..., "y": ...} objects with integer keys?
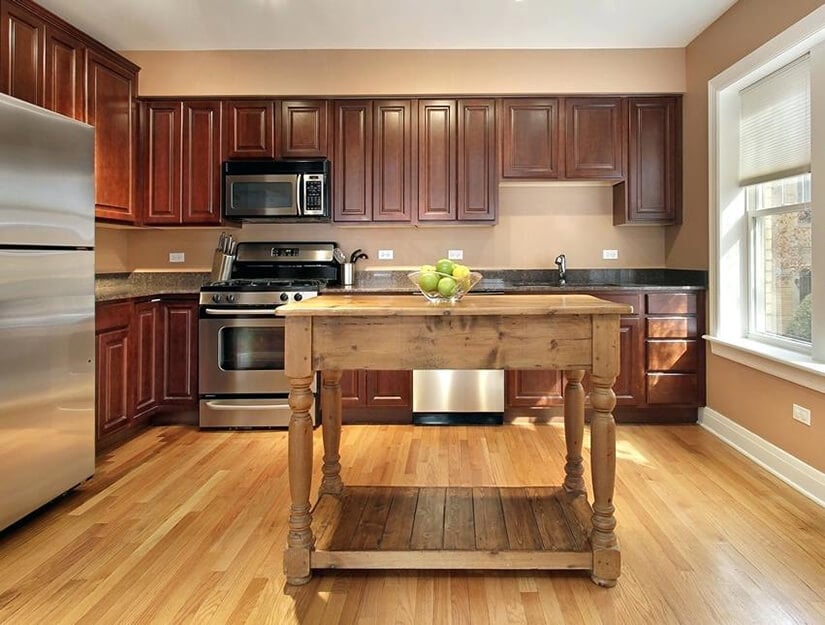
[
  {"x": 455, "y": 254},
  {"x": 177, "y": 257},
  {"x": 802, "y": 414},
  {"x": 385, "y": 255},
  {"x": 610, "y": 254}
]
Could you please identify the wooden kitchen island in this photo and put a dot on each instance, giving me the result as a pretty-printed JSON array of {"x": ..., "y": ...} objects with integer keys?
[{"x": 484, "y": 527}]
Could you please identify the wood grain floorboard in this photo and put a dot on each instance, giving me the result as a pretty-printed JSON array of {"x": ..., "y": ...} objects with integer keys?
[{"x": 183, "y": 526}]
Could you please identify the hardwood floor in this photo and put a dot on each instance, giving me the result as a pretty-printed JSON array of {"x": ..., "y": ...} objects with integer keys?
[{"x": 182, "y": 526}]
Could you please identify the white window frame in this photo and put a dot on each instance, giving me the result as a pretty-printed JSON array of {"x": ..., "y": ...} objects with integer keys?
[{"x": 729, "y": 291}]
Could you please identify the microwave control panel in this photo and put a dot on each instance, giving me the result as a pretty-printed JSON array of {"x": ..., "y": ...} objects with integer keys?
[{"x": 314, "y": 194}]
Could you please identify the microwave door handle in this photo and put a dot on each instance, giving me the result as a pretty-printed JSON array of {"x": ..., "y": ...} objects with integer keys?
[{"x": 299, "y": 184}]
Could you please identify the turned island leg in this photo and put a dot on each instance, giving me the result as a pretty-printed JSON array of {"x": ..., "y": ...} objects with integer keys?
[
  {"x": 574, "y": 431},
  {"x": 300, "y": 540},
  {"x": 606, "y": 555},
  {"x": 331, "y": 410}
]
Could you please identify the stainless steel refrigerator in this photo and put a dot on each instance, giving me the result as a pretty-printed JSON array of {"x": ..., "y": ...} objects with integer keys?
[{"x": 47, "y": 349}]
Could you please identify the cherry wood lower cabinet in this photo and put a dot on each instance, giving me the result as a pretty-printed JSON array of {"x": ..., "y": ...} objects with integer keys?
[
  {"x": 146, "y": 363},
  {"x": 376, "y": 396}
]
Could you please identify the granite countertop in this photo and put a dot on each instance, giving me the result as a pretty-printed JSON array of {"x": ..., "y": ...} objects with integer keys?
[
  {"x": 539, "y": 281},
  {"x": 118, "y": 286}
]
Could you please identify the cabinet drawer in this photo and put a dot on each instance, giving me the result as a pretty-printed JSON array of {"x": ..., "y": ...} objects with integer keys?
[
  {"x": 672, "y": 355},
  {"x": 631, "y": 299},
  {"x": 111, "y": 316},
  {"x": 672, "y": 388},
  {"x": 671, "y": 327},
  {"x": 671, "y": 303}
]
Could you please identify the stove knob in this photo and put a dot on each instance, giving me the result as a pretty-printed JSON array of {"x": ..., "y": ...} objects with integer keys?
[
  {"x": 230, "y": 298},
  {"x": 216, "y": 297},
  {"x": 298, "y": 297},
  {"x": 284, "y": 297}
]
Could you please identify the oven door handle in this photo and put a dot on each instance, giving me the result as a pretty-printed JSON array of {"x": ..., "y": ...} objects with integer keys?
[
  {"x": 233, "y": 312},
  {"x": 250, "y": 405}
]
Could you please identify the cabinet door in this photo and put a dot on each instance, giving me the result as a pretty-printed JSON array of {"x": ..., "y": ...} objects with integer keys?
[
  {"x": 23, "y": 40},
  {"x": 630, "y": 384},
  {"x": 477, "y": 179},
  {"x": 201, "y": 167},
  {"x": 111, "y": 90},
  {"x": 353, "y": 389},
  {"x": 530, "y": 138},
  {"x": 534, "y": 388},
  {"x": 162, "y": 165},
  {"x": 64, "y": 74},
  {"x": 303, "y": 128},
  {"x": 594, "y": 132},
  {"x": 352, "y": 166},
  {"x": 112, "y": 380},
  {"x": 393, "y": 185},
  {"x": 144, "y": 370},
  {"x": 389, "y": 389},
  {"x": 249, "y": 129},
  {"x": 653, "y": 190},
  {"x": 180, "y": 352},
  {"x": 436, "y": 160}
]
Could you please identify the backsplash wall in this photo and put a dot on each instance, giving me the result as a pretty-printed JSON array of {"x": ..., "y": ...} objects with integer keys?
[{"x": 537, "y": 221}]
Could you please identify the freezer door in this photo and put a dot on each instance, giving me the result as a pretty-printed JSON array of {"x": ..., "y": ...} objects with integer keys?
[
  {"x": 46, "y": 177},
  {"x": 47, "y": 395}
]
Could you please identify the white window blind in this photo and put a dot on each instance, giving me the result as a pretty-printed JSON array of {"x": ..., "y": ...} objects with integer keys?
[{"x": 775, "y": 125}]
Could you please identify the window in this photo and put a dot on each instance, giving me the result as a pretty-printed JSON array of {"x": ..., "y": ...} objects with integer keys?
[
  {"x": 774, "y": 176},
  {"x": 779, "y": 220},
  {"x": 767, "y": 208}
]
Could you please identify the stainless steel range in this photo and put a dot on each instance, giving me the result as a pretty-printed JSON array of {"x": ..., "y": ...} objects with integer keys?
[{"x": 241, "y": 375}]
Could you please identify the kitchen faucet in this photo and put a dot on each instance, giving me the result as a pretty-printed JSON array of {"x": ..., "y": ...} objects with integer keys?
[{"x": 561, "y": 261}]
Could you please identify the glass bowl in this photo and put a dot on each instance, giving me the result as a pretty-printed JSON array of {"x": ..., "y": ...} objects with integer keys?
[{"x": 445, "y": 295}]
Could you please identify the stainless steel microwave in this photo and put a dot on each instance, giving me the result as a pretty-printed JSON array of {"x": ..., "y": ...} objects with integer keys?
[{"x": 266, "y": 190}]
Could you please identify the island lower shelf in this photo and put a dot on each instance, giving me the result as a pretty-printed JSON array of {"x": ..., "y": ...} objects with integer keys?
[{"x": 389, "y": 527}]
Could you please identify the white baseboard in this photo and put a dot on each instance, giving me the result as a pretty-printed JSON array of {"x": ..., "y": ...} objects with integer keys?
[{"x": 800, "y": 476}]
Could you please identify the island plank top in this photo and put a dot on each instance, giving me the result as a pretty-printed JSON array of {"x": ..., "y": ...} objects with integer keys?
[{"x": 477, "y": 305}]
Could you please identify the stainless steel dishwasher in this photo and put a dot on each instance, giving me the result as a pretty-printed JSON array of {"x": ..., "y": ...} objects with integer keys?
[{"x": 458, "y": 396}]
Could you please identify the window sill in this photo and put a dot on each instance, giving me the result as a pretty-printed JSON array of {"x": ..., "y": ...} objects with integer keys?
[{"x": 788, "y": 365}]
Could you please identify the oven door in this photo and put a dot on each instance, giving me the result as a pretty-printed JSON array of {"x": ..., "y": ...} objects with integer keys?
[
  {"x": 261, "y": 195},
  {"x": 242, "y": 353}
]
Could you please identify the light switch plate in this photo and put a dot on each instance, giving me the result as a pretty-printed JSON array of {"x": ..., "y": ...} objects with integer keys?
[
  {"x": 177, "y": 257},
  {"x": 802, "y": 414},
  {"x": 385, "y": 255},
  {"x": 610, "y": 254},
  {"x": 455, "y": 254}
]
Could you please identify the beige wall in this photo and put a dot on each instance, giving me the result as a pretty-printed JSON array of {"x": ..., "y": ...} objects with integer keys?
[
  {"x": 535, "y": 222},
  {"x": 386, "y": 72},
  {"x": 757, "y": 401},
  {"x": 111, "y": 251}
]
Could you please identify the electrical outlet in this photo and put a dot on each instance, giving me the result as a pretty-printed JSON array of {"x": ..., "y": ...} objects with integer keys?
[
  {"x": 177, "y": 257},
  {"x": 385, "y": 255},
  {"x": 455, "y": 254},
  {"x": 802, "y": 414},
  {"x": 610, "y": 254}
]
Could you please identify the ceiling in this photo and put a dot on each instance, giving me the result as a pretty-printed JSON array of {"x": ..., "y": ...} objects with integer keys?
[{"x": 389, "y": 24}]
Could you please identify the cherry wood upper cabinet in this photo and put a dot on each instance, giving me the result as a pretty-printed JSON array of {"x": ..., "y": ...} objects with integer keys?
[
  {"x": 352, "y": 161},
  {"x": 393, "y": 183},
  {"x": 477, "y": 177},
  {"x": 652, "y": 191},
  {"x": 304, "y": 128},
  {"x": 594, "y": 138},
  {"x": 162, "y": 162},
  {"x": 111, "y": 88},
  {"x": 249, "y": 127},
  {"x": 437, "y": 144},
  {"x": 65, "y": 59},
  {"x": 530, "y": 138},
  {"x": 23, "y": 39},
  {"x": 201, "y": 166}
]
